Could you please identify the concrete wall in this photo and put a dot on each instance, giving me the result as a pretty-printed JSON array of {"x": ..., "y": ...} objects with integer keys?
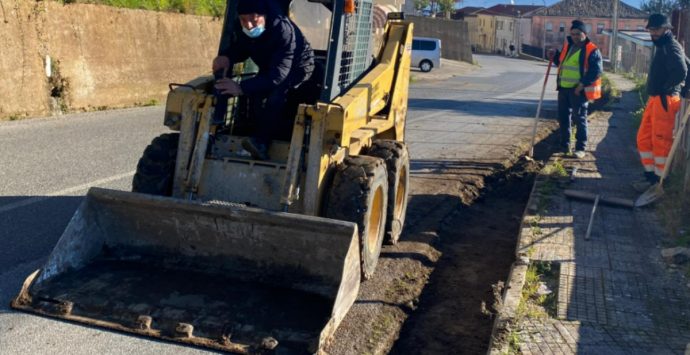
[
  {"x": 555, "y": 38},
  {"x": 100, "y": 56},
  {"x": 524, "y": 34},
  {"x": 454, "y": 35},
  {"x": 472, "y": 29}
]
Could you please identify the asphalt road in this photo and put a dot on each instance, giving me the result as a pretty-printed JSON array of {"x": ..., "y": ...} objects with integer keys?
[{"x": 47, "y": 165}]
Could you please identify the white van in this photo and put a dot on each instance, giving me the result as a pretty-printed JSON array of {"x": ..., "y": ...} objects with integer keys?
[{"x": 426, "y": 53}]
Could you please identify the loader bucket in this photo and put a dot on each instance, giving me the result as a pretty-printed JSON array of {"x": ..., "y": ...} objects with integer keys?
[{"x": 231, "y": 278}]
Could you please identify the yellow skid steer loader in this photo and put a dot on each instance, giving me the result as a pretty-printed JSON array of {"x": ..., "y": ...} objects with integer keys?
[{"x": 215, "y": 249}]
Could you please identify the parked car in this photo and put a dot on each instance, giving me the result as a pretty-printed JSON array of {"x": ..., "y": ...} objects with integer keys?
[{"x": 426, "y": 53}]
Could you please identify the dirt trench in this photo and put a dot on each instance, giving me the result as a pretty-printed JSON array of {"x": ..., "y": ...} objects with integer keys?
[{"x": 462, "y": 225}]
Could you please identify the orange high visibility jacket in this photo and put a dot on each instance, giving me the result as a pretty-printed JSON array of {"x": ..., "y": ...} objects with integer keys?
[{"x": 593, "y": 91}]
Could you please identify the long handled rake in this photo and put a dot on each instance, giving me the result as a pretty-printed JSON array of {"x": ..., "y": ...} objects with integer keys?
[{"x": 536, "y": 117}]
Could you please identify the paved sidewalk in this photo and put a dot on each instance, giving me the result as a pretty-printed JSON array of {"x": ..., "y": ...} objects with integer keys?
[{"x": 614, "y": 293}]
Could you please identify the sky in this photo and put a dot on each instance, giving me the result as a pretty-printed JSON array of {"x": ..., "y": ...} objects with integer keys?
[{"x": 489, "y": 3}]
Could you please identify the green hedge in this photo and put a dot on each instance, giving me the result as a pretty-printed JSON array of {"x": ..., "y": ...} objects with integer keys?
[{"x": 194, "y": 7}]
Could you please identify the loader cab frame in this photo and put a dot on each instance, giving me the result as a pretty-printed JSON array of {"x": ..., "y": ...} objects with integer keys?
[{"x": 345, "y": 59}]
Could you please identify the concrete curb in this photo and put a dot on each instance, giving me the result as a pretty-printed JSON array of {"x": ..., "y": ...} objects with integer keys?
[
  {"x": 506, "y": 315},
  {"x": 512, "y": 294}
]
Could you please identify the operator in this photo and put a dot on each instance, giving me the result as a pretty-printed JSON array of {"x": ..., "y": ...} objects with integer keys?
[{"x": 285, "y": 60}]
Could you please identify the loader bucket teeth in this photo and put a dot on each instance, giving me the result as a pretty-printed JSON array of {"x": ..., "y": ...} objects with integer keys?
[{"x": 231, "y": 278}]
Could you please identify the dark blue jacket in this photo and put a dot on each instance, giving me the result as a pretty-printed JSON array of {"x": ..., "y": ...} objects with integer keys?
[
  {"x": 282, "y": 54},
  {"x": 595, "y": 64},
  {"x": 668, "y": 70}
]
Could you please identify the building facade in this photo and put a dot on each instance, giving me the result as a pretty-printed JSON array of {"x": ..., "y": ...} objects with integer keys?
[
  {"x": 486, "y": 32},
  {"x": 510, "y": 21},
  {"x": 551, "y": 25},
  {"x": 469, "y": 15}
]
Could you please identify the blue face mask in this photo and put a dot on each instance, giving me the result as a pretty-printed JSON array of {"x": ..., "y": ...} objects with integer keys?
[{"x": 254, "y": 32}]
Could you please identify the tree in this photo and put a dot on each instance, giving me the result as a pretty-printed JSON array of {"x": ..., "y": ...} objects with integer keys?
[
  {"x": 665, "y": 7},
  {"x": 446, "y": 6},
  {"x": 420, "y": 5}
]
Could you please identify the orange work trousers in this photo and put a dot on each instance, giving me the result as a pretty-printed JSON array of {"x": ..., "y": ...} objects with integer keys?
[{"x": 655, "y": 136}]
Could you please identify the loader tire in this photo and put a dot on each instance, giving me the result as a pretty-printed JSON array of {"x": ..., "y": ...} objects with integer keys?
[
  {"x": 359, "y": 194},
  {"x": 397, "y": 160},
  {"x": 156, "y": 167}
]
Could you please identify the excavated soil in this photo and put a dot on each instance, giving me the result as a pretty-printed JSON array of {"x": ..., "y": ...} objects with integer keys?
[
  {"x": 477, "y": 246},
  {"x": 462, "y": 225}
]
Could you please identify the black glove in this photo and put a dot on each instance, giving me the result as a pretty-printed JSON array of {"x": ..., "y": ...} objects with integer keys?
[{"x": 221, "y": 108}]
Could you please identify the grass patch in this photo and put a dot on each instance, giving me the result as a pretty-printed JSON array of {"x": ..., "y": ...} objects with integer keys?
[
  {"x": 609, "y": 88},
  {"x": 215, "y": 8},
  {"x": 533, "y": 303},
  {"x": 641, "y": 90},
  {"x": 379, "y": 330},
  {"x": 152, "y": 102},
  {"x": 555, "y": 170}
]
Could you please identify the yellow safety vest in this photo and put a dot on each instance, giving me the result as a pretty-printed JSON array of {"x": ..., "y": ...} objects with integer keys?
[
  {"x": 570, "y": 71},
  {"x": 593, "y": 91}
]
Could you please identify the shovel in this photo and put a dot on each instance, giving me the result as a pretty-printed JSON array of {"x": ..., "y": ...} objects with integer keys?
[
  {"x": 541, "y": 99},
  {"x": 656, "y": 191}
]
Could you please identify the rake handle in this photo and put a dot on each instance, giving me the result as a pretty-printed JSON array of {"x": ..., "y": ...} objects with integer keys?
[{"x": 536, "y": 117}]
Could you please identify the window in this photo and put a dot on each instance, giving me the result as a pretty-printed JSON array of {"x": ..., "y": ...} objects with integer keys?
[
  {"x": 600, "y": 28},
  {"x": 589, "y": 27},
  {"x": 640, "y": 28},
  {"x": 511, "y": 26},
  {"x": 416, "y": 44},
  {"x": 561, "y": 27},
  {"x": 499, "y": 25},
  {"x": 422, "y": 45},
  {"x": 428, "y": 45},
  {"x": 549, "y": 27}
]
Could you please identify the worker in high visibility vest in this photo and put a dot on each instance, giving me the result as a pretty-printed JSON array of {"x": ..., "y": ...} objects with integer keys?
[
  {"x": 664, "y": 83},
  {"x": 579, "y": 83}
]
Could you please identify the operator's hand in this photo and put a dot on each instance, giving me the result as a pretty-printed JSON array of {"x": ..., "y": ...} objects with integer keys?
[
  {"x": 220, "y": 62},
  {"x": 579, "y": 89},
  {"x": 227, "y": 86}
]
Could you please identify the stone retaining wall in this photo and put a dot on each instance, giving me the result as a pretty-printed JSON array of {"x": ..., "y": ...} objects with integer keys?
[{"x": 97, "y": 56}]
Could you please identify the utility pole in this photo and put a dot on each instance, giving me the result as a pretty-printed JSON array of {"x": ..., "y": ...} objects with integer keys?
[
  {"x": 613, "y": 50},
  {"x": 543, "y": 29}
]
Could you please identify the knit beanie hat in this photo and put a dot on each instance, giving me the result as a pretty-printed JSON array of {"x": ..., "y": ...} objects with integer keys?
[
  {"x": 579, "y": 25},
  {"x": 252, "y": 7}
]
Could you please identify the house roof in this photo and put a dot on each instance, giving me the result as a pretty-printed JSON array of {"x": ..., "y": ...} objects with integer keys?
[
  {"x": 469, "y": 10},
  {"x": 590, "y": 8},
  {"x": 511, "y": 10}
]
